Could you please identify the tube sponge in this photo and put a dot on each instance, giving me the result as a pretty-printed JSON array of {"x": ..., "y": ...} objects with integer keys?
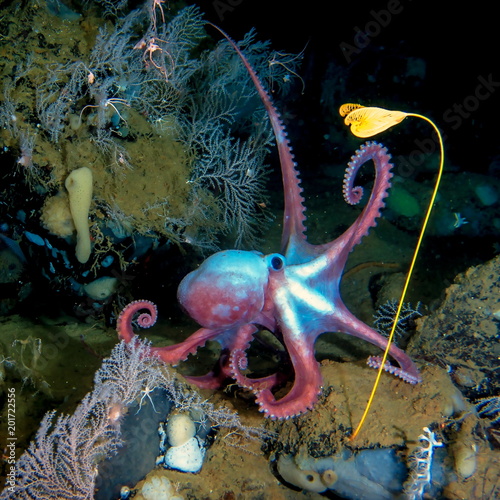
[
  {"x": 79, "y": 186},
  {"x": 306, "y": 479}
]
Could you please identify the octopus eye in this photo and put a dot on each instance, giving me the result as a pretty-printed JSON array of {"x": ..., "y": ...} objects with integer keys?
[{"x": 277, "y": 262}]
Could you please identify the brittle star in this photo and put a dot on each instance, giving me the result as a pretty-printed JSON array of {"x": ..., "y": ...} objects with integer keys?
[
  {"x": 105, "y": 103},
  {"x": 459, "y": 220}
]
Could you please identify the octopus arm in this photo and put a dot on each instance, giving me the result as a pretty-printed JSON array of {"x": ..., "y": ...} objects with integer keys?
[
  {"x": 306, "y": 386},
  {"x": 346, "y": 322}
]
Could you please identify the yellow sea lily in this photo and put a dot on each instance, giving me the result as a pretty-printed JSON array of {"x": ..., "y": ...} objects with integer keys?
[
  {"x": 369, "y": 121},
  {"x": 366, "y": 122}
]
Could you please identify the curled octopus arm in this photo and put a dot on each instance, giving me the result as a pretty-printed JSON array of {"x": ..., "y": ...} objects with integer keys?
[
  {"x": 353, "y": 194},
  {"x": 238, "y": 361},
  {"x": 170, "y": 354},
  {"x": 232, "y": 340}
]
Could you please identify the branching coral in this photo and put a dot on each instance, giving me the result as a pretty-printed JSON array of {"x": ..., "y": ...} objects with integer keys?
[
  {"x": 63, "y": 460},
  {"x": 421, "y": 463},
  {"x": 139, "y": 84}
]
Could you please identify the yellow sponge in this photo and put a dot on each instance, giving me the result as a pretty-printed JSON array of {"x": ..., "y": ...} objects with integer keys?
[{"x": 79, "y": 186}]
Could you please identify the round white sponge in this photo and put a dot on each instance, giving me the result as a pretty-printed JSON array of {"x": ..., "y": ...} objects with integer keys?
[{"x": 180, "y": 429}]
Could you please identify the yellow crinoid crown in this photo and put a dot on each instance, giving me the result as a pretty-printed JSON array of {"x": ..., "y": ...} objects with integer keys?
[{"x": 367, "y": 122}]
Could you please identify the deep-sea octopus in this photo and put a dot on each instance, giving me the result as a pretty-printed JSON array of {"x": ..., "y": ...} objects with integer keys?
[{"x": 294, "y": 294}]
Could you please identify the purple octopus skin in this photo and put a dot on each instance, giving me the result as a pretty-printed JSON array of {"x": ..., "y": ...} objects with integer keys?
[{"x": 294, "y": 294}]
